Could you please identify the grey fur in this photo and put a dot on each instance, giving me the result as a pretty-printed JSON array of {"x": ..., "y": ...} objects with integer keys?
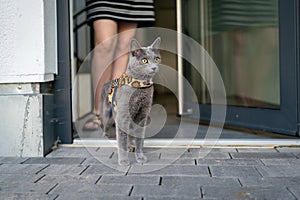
[{"x": 134, "y": 104}]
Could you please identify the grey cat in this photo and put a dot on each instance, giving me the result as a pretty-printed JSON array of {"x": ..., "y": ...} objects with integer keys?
[{"x": 131, "y": 96}]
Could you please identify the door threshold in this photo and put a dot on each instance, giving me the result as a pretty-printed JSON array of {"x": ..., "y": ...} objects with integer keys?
[{"x": 183, "y": 143}]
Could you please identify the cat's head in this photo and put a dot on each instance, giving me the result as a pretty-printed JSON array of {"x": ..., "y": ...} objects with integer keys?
[{"x": 144, "y": 61}]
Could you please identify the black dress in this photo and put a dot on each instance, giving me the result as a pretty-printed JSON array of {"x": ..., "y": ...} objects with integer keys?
[{"x": 137, "y": 11}]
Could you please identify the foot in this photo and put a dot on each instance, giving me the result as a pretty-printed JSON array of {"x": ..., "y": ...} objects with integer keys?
[
  {"x": 123, "y": 158},
  {"x": 124, "y": 162},
  {"x": 110, "y": 134},
  {"x": 140, "y": 158},
  {"x": 93, "y": 124}
]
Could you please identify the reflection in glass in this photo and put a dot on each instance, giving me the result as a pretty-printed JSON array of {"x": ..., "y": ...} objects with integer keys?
[{"x": 242, "y": 38}]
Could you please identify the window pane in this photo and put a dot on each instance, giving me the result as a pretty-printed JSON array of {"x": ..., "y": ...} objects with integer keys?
[{"x": 242, "y": 38}]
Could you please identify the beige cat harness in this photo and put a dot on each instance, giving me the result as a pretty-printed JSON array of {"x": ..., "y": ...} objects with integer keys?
[{"x": 128, "y": 81}]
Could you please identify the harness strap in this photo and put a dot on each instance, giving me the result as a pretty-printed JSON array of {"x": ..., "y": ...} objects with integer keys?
[
  {"x": 124, "y": 80},
  {"x": 112, "y": 95}
]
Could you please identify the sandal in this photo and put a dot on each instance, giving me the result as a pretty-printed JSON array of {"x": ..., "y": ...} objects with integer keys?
[{"x": 93, "y": 124}]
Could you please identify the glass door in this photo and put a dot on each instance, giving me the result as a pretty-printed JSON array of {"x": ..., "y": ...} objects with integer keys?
[{"x": 253, "y": 44}]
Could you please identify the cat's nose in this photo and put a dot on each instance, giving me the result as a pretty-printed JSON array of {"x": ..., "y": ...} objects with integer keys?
[{"x": 153, "y": 68}]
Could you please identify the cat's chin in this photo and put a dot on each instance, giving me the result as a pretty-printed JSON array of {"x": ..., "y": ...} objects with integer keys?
[
  {"x": 151, "y": 75},
  {"x": 141, "y": 158}
]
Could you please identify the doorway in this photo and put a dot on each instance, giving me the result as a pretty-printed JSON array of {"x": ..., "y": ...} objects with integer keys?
[{"x": 260, "y": 80}]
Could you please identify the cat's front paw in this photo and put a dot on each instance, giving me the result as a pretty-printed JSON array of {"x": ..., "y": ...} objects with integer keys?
[
  {"x": 140, "y": 158},
  {"x": 124, "y": 162}
]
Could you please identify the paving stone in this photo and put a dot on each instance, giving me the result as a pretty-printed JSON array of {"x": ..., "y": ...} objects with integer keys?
[
  {"x": 215, "y": 155},
  {"x": 295, "y": 190},
  {"x": 171, "y": 198},
  {"x": 167, "y": 150},
  {"x": 103, "y": 170},
  {"x": 297, "y": 154},
  {"x": 253, "y": 150},
  {"x": 169, "y": 170},
  {"x": 197, "y": 155},
  {"x": 73, "y": 152},
  {"x": 151, "y": 156},
  {"x": 289, "y": 149},
  {"x": 26, "y": 187},
  {"x": 173, "y": 181},
  {"x": 279, "y": 171},
  {"x": 171, "y": 162},
  {"x": 57, "y": 160},
  {"x": 152, "y": 159},
  {"x": 131, "y": 180},
  {"x": 261, "y": 155},
  {"x": 20, "y": 178},
  {"x": 269, "y": 181},
  {"x": 151, "y": 149},
  {"x": 99, "y": 190},
  {"x": 179, "y": 155},
  {"x": 94, "y": 196},
  {"x": 246, "y": 193},
  {"x": 93, "y": 161},
  {"x": 63, "y": 169},
  {"x": 12, "y": 160},
  {"x": 21, "y": 168},
  {"x": 64, "y": 178},
  {"x": 181, "y": 191},
  {"x": 234, "y": 171},
  {"x": 26, "y": 196},
  {"x": 174, "y": 152},
  {"x": 228, "y": 162},
  {"x": 107, "y": 150},
  {"x": 281, "y": 161},
  {"x": 99, "y": 160},
  {"x": 294, "y": 151},
  {"x": 104, "y": 153}
]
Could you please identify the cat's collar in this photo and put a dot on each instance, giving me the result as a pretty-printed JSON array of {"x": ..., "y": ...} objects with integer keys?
[{"x": 132, "y": 82}]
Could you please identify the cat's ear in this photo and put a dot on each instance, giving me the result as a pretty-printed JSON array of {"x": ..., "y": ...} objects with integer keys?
[
  {"x": 156, "y": 44},
  {"x": 135, "y": 48}
]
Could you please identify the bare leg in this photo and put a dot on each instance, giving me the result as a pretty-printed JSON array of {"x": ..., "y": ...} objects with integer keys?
[
  {"x": 108, "y": 48},
  {"x": 126, "y": 33},
  {"x": 103, "y": 55}
]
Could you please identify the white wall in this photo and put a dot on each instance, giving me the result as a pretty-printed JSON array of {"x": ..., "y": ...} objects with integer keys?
[
  {"x": 22, "y": 126},
  {"x": 27, "y": 41},
  {"x": 28, "y": 56}
]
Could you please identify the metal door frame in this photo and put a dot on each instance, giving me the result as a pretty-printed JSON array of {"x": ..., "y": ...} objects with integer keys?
[{"x": 62, "y": 84}]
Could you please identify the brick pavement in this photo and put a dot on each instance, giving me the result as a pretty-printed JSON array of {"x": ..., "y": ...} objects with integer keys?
[{"x": 225, "y": 173}]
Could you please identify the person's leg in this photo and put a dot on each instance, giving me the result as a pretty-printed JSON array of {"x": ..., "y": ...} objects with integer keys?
[
  {"x": 126, "y": 33},
  {"x": 105, "y": 44}
]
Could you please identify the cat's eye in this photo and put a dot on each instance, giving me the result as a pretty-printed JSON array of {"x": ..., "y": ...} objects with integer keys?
[
  {"x": 157, "y": 59},
  {"x": 144, "y": 60}
]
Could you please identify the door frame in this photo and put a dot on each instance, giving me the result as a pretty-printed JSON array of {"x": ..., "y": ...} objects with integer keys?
[{"x": 62, "y": 83}]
